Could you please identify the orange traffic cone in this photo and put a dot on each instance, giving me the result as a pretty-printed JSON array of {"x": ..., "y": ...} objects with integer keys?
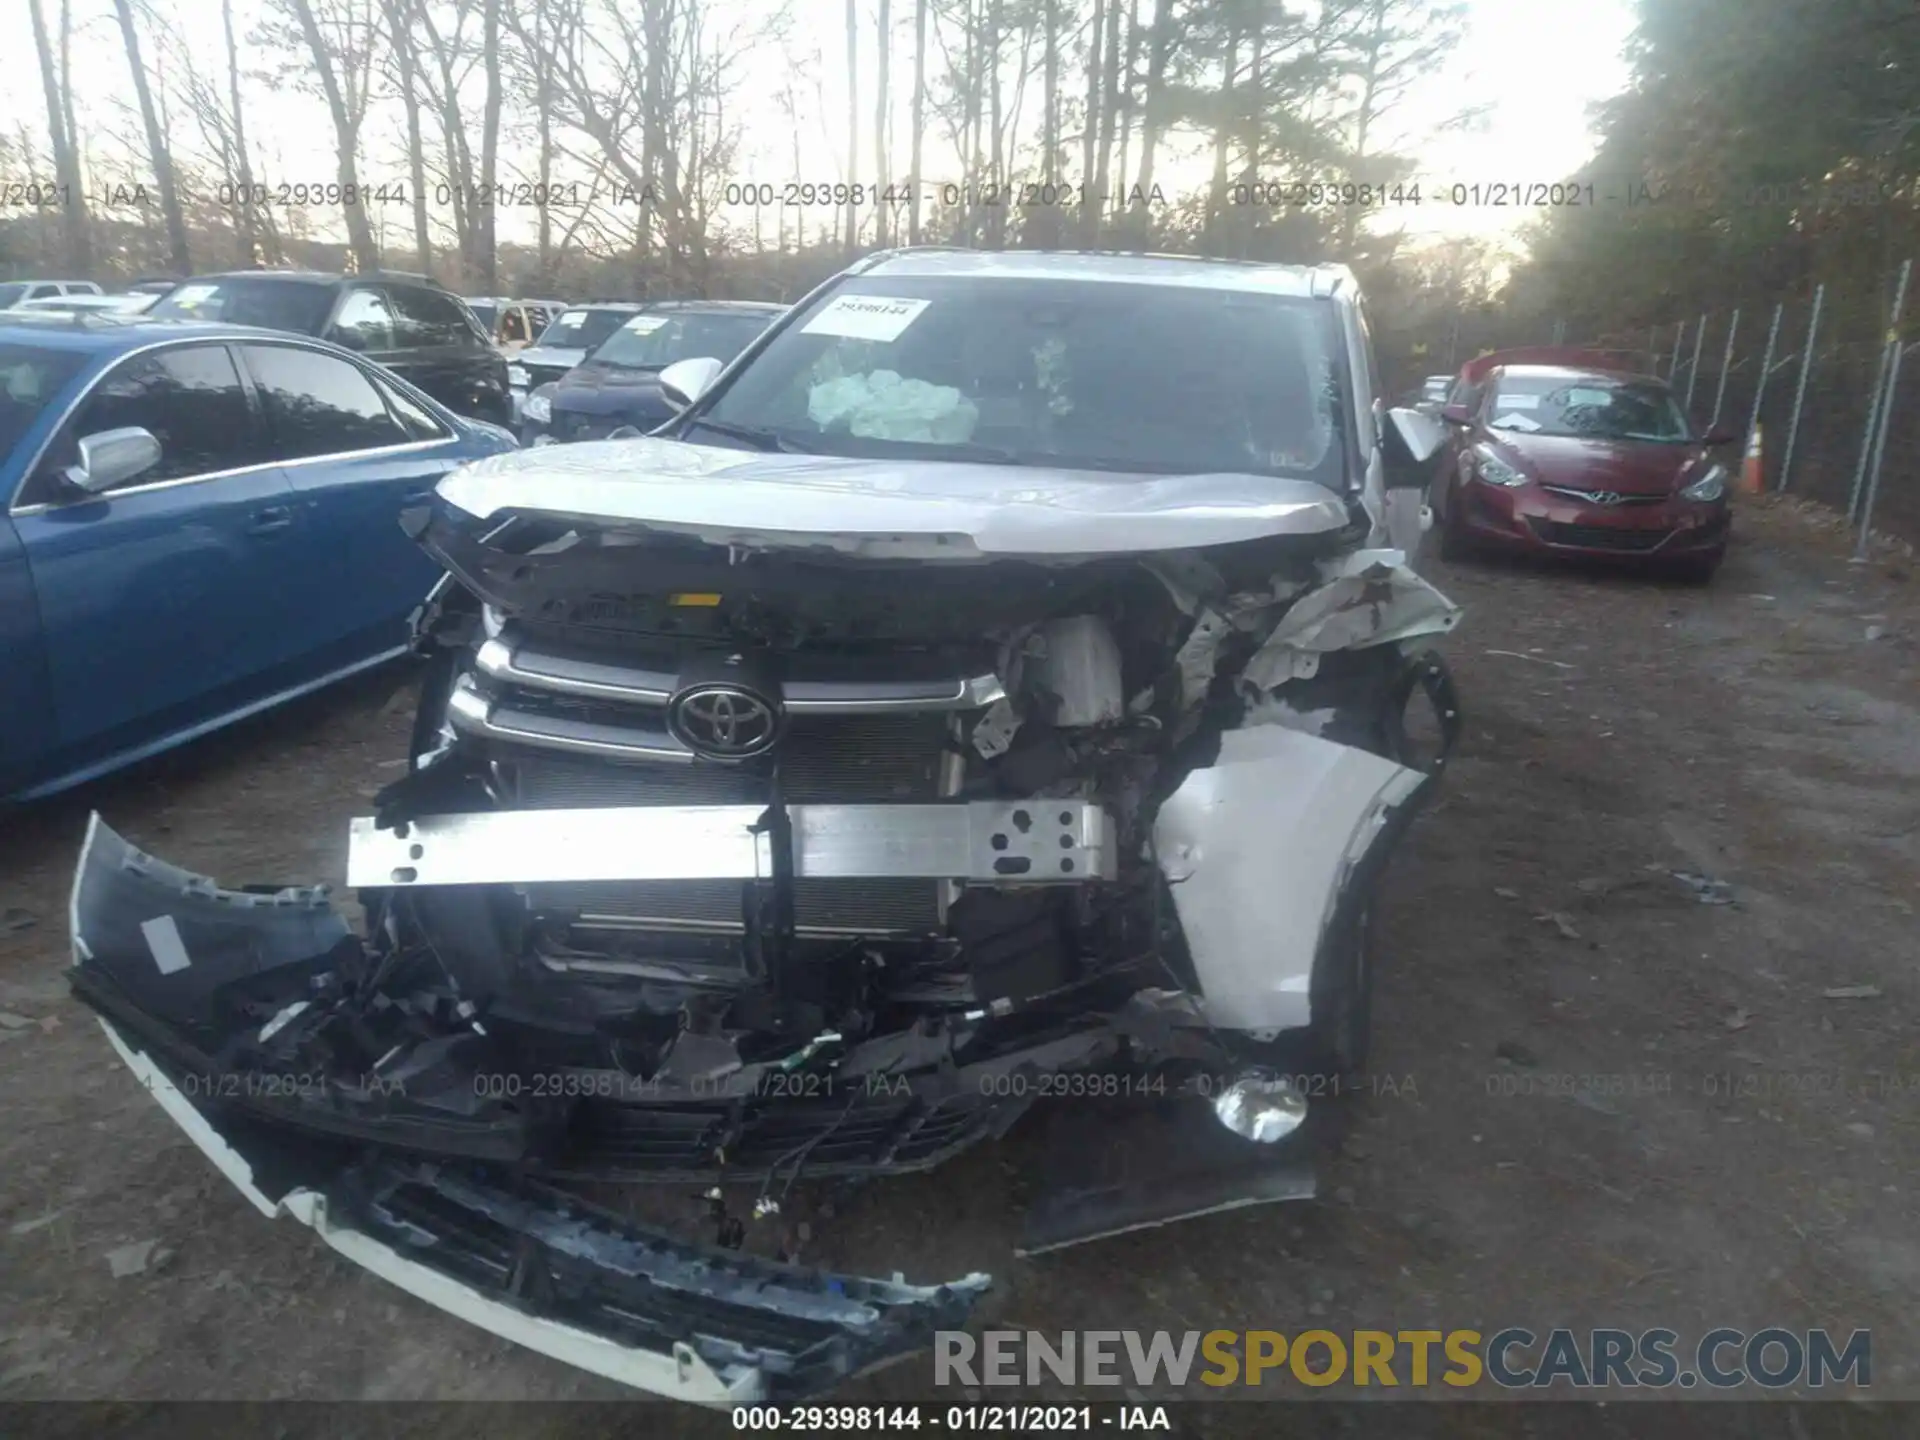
[{"x": 1752, "y": 471}]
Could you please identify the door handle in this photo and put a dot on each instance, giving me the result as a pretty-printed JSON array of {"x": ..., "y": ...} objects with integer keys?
[{"x": 271, "y": 519}]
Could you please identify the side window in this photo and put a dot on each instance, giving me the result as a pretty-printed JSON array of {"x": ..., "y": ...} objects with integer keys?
[
  {"x": 365, "y": 322},
  {"x": 43, "y": 292},
  {"x": 425, "y": 317},
  {"x": 513, "y": 326},
  {"x": 320, "y": 404},
  {"x": 419, "y": 422},
  {"x": 189, "y": 398}
]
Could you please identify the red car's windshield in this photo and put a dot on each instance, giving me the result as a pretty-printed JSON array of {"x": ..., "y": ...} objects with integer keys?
[{"x": 1595, "y": 407}]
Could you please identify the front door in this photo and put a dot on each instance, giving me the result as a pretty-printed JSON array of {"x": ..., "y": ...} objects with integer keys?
[
  {"x": 357, "y": 452},
  {"x": 160, "y": 600}
]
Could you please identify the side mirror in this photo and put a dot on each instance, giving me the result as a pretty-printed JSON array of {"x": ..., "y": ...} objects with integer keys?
[
  {"x": 685, "y": 381},
  {"x": 1719, "y": 437},
  {"x": 1411, "y": 441},
  {"x": 1456, "y": 415},
  {"x": 113, "y": 457}
]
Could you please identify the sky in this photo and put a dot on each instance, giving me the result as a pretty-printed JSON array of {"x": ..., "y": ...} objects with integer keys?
[{"x": 1537, "y": 66}]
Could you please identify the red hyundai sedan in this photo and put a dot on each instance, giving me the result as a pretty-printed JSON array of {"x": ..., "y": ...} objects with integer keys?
[{"x": 1559, "y": 452}]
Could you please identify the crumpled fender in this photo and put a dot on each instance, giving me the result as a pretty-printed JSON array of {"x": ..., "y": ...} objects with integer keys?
[
  {"x": 1366, "y": 598},
  {"x": 1259, "y": 848}
]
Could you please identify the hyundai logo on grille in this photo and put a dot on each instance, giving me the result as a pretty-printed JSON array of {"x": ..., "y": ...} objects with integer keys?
[
  {"x": 723, "y": 722},
  {"x": 1604, "y": 497}
]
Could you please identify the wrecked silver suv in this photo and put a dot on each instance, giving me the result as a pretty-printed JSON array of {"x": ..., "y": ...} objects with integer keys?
[{"x": 995, "y": 685}]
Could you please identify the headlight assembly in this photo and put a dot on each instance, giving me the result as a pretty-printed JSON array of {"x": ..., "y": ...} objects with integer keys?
[
  {"x": 1710, "y": 486},
  {"x": 539, "y": 407},
  {"x": 1495, "y": 471}
]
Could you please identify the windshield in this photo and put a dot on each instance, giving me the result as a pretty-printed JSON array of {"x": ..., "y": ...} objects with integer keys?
[
  {"x": 1595, "y": 407},
  {"x": 11, "y": 295},
  {"x": 583, "y": 329},
  {"x": 648, "y": 342},
  {"x": 29, "y": 377},
  {"x": 486, "y": 314},
  {"x": 1075, "y": 373},
  {"x": 299, "y": 306}
]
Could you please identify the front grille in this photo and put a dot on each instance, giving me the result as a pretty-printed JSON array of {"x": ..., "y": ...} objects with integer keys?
[
  {"x": 1600, "y": 537},
  {"x": 1585, "y": 496},
  {"x": 852, "y": 759},
  {"x": 838, "y": 1133}
]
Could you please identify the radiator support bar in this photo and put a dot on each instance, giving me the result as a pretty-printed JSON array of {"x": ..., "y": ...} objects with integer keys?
[{"x": 1001, "y": 842}]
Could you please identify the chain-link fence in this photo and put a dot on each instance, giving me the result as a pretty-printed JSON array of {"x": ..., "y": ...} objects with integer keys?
[{"x": 1823, "y": 376}]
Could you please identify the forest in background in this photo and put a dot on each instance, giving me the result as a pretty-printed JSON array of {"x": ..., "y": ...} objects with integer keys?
[{"x": 644, "y": 103}]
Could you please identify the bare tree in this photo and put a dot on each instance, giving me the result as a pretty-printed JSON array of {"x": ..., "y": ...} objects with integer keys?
[
  {"x": 853, "y": 122},
  {"x": 406, "y": 58},
  {"x": 880, "y": 128},
  {"x": 243, "y": 161},
  {"x": 1109, "y": 105},
  {"x": 1090, "y": 130},
  {"x": 1154, "y": 99},
  {"x": 489, "y": 144},
  {"x": 162, "y": 159},
  {"x": 919, "y": 116},
  {"x": 1395, "y": 43},
  {"x": 64, "y": 143},
  {"x": 339, "y": 36}
]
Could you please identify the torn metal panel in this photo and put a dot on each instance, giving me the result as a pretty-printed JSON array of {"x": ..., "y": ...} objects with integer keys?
[
  {"x": 1369, "y": 598},
  {"x": 1258, "y": 847}
]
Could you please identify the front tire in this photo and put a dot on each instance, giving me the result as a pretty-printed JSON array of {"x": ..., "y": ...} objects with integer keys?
[
  {"x": 1341, "y": 1038},
  {"x": 1455, "y": 545}
]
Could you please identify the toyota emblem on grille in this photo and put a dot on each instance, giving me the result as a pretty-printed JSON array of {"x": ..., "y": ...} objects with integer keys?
[{"x": 723, "y": 722}]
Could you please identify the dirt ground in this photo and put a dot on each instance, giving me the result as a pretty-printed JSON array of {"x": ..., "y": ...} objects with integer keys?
[{"x": 1600, "y": 1100}]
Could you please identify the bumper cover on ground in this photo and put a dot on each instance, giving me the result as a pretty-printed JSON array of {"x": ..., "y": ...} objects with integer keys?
[
  {"x": 542, "y": 1269},
  {"x": 168, "y": 956}
]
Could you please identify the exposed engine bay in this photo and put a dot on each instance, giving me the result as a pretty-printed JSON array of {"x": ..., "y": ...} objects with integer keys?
[{"x": 729, "y": 854}]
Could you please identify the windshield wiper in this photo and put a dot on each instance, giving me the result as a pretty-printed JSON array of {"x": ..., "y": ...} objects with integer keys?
[{"x": 755, "y": 435}]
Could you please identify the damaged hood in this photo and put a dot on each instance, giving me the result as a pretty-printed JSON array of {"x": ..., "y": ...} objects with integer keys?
[{"x": 902, "y": 506}]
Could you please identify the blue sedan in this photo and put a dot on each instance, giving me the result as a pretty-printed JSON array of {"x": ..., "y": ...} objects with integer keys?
[{"x": 201, "y": 521}]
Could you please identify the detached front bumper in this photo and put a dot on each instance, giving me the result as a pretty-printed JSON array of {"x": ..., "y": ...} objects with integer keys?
[
  {"x": 544, "y": 1270},
  {"x": 180, "y": 970}
]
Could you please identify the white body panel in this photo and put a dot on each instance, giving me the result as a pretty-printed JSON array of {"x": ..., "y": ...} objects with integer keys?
[{"x": 1257, "y": 849}]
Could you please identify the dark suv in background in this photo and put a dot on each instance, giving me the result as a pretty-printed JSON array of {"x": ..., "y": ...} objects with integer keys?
[
  {"x": 407, "y": 323},
  {"x": 616, "y": 389}
]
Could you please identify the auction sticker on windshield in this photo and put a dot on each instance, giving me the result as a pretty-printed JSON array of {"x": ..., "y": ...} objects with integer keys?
[
  {"x": 572, "y": 318},
  {"x": 193, "y": 294},
  {"x": 645, "y": 324},
  {"x": 865, "y": 317}
]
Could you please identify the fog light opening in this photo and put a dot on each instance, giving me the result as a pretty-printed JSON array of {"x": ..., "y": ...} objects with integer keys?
[{"x": 1262, "y": 1108}]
